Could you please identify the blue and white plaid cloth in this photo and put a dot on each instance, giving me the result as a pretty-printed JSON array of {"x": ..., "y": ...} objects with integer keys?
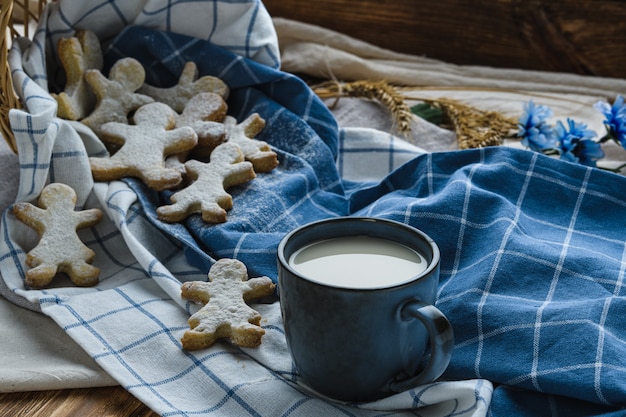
[{"x": 533, "y": 253}]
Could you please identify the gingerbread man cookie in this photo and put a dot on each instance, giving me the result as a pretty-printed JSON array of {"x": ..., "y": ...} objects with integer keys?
[
  {"x": 78, "y": 54},
  {"x": 115, "y": 96},
  {"x": 207, "y": 193},
  {"x": 204, "y": 112},
  {"x": 188, "y": 86},
  {"x": 225, "y": 313},
  {"x": 255, "y": 151},
  {"x": 144, "y": 147},
  {"x": 59, "y": 248}
]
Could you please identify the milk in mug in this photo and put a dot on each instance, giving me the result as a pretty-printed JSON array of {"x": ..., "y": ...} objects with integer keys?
[{"x": 359, "y": 262}]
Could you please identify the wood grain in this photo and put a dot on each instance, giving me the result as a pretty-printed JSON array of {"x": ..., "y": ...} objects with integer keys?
[
  {"x": 88, "y": 402},
  {"x": 577, "y": 36}
]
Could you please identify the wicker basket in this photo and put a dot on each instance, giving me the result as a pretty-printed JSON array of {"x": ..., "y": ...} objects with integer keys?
[{"x": 17, "y": 17}]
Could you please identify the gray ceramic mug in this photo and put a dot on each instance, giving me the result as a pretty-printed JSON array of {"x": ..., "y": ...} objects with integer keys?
[{"x": 355, "y": 342}]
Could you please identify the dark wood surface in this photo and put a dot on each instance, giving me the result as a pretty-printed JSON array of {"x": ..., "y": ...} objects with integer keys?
[
  {"x": 583, "y": 37},
  {"x": 88, "y": 402}
]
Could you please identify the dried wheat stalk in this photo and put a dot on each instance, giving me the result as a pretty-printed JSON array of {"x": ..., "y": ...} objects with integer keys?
[
  {"x": 380, "y": 91},
  {"x": 473, "y": 127},
  {"x": 476, "y": 128}
]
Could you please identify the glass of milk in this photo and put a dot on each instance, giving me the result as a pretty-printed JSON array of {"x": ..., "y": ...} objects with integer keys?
[{"x": 356, "y": 296}]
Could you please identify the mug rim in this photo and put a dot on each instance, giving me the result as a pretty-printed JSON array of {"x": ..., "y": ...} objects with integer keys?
[{"x": 432, "y": 264}]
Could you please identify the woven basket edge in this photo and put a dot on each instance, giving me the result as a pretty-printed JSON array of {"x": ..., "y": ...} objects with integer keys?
[{"x": 13, "y": 13}]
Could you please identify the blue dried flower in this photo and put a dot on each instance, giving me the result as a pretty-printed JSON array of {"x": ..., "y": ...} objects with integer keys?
[
  {"x": 534, "y": 130},
  {"x": 577, "y": 144},
  {"x": 614, "y": 119}
]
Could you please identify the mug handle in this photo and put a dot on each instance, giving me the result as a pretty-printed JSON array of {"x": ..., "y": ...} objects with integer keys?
[{"x": 441, "y": 343}]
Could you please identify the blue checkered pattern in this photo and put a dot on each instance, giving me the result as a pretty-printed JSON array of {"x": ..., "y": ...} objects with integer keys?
[
  {"x": 241, "y": 26},
  {"x": 533, "y": 256}
]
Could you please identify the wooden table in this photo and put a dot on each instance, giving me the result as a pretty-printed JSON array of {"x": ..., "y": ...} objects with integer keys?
[
  {"x": 583, "y": 37},
  {"x": 87, "y": 402}
]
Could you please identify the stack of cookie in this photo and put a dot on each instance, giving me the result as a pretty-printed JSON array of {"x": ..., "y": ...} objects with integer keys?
[
  {"x": 163, "y": 136},
  {"x": 178, "y": 138}
]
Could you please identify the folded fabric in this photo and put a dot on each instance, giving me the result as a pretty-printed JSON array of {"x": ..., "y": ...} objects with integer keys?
[
  {"x": 323, "y": 53},
  {"x": 37, "y": 355},
  {"x": 132, "y": 321},
  {"x": 532, "y": 258},
  {"x": 243, "y": 27},
  {"x": 519, "y": 262},
  {"x": 9, "y": 180}
]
